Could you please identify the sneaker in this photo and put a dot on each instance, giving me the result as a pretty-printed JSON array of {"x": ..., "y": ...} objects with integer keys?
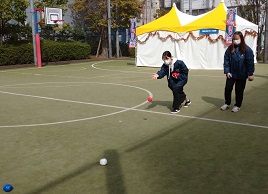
[
  {"x": 235, "y": 109},
  {"x": 174, "y": 111},
  {"x": 225, "y": 106},
  {"x": 187, "y": 103}
]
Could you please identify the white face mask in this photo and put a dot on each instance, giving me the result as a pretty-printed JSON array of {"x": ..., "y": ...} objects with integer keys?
[
  {"x": 237, "y": 42},
  {"x": 166, "y": 62}
]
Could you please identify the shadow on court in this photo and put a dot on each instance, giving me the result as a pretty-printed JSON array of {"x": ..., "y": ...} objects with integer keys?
[
  {"x": 63, "y": 179},
  {"x": 114, "y": 175},
  {"x": 159, "y": 103},
  {"x": 211, "y": 100}
]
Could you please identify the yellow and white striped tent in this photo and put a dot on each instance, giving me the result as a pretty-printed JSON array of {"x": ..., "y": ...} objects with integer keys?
[{"x": 179, "y": 33}]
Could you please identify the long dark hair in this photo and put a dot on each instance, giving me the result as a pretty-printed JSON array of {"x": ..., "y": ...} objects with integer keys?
[{"x": 242, "y": 45}]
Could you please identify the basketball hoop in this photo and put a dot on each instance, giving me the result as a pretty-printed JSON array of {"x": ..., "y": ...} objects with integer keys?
[{"x": 59, "y": 22}]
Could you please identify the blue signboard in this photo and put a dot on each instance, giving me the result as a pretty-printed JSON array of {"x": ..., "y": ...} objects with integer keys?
[{"x": 208, "y": 31}]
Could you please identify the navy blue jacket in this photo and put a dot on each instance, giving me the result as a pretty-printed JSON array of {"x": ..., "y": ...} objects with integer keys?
[
  {"x": 238, "y": 64},
  {"x": 181, "y": 80}
]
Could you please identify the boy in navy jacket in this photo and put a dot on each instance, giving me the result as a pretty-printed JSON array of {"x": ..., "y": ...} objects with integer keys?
[{"x": 177, "y": 76}]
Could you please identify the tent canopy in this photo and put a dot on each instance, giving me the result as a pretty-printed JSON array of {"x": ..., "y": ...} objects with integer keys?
[
  {"x": 214, "y": 19},
  {"x": 177, "y": 21},
  {"x": 173, "y": 21}
]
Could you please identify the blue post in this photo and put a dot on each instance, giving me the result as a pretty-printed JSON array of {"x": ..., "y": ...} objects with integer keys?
[{"x": 36, "y": 21}]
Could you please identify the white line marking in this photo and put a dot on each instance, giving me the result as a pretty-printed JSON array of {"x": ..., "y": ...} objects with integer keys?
[
  {"x": 124, "y": 109},
  {"x": 93, "y": 66},
  {"x": 77, "y": 120},
  {"x": 205, "y": 119},
  {"x": 117, "y": 84},
  {"x": 78, "y": 102},
  {"x": 62, "y": 100}
]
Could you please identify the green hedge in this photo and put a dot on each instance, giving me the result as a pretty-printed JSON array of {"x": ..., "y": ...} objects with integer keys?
[
  {"x": 132, "y": 53},
  {"x": 11, "y": 55},
  {"x": 51, "y": 51}
]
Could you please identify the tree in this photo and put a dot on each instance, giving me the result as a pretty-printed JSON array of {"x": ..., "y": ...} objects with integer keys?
[
  {"x": 161, "y": 12},
  {"x": 92, "y": 15},
  {"x": 12, "y": 9},
  {"x": 253, "y": 10}
]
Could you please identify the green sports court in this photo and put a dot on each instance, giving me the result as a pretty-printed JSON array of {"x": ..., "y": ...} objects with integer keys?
[{"x": 58, "y": 121}]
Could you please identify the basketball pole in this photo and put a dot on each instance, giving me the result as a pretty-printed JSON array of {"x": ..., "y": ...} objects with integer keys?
[
  {"x": 37, "y": 38},
  {"x": 33, "y": 31}
]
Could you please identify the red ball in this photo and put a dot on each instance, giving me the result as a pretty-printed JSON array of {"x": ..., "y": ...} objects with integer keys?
[
  {"x": 175, "y": 74},
  {"x": 150, "y": 99}
]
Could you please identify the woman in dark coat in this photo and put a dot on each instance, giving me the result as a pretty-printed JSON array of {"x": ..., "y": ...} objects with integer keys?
[{"x": 238, "y": 67}]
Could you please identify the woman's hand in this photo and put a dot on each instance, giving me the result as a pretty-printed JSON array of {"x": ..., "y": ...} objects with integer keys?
[
  {"x": 155, "y": 76},
  {"x": 228, "y": 75},
  {"x": 251, "y": 78}
]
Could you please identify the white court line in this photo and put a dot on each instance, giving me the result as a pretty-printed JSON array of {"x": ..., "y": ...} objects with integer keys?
[
  {"x": 205, "y": 119},
  {"x": 93, "y": 66},
  {"x": 75, "y": 120},
  {"x": 76, "y": 77},
  {"x": 42, "y": 83},
  {"x": 191, "y": 75},
  {"x": 79, "y": 102},
  {"x": 48, "y": 98},
  {"x": 62, "y": 100},
  {"x": 124, "y": 110}
]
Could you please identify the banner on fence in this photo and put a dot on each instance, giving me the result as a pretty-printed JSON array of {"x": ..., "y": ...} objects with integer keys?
[
  {"x": 230, "y": 25},
  {"x": 132, "y": 40}
]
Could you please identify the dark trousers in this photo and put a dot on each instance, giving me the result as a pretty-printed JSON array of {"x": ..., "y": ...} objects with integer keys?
[
  {"x": 178, "y": 97},
  {"x": 240, "y": 85}
]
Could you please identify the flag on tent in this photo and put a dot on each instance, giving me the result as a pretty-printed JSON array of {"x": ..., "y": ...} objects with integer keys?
[
  {"x": 132, "y": 41},
  {"x": 230, "y": 25}
]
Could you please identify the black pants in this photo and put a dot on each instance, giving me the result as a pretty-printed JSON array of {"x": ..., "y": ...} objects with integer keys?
[
  {"x": 178, "y": 97},
  {"x": 240, "y": 85}
]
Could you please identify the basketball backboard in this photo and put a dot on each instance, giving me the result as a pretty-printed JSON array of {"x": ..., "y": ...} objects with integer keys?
[{"x": 53, "y": 15}]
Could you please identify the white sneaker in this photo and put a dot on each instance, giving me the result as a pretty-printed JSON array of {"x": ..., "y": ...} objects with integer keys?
[
  {"x": 225, "y": 106},
  {"x": 235, "y": 109}
]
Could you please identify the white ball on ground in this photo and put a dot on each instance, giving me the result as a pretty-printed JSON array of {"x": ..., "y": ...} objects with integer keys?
[{"x": 103, "y": 161}]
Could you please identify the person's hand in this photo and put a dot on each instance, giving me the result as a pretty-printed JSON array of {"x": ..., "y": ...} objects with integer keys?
[
  {"x": 175, "y": 75},
  {"x": 228, "y": 75},
  {"x": 251, "y": 78},
  {"x": 155, "y": 76}
]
